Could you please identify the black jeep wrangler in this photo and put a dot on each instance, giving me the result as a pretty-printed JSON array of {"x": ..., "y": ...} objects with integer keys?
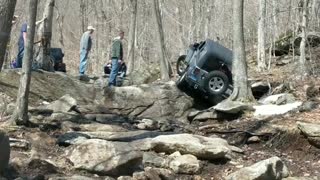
[{"x": 207, "y": 69}]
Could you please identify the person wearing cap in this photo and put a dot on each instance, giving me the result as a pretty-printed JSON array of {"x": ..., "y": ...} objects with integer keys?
[
  {"x": 85, "y": 47},
  {"x": 116, "y": 58}
]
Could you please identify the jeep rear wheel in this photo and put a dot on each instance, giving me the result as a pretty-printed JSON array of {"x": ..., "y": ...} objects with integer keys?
[
  {"x": 181, "y": 65},
  {"x": 216, "y": 83}
]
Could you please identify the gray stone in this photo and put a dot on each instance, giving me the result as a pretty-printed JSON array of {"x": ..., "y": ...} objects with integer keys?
[
  {"x": 308, "y": 106},
  {"x": 312, "y": 131},
  {"x": 199, "y": 146},
  {"x": 123, "y": 136},
  {"x": 231, "y": 107},
  {"x": 302, "y": 178},
  {"x": 309, "y": 129},
  {"x": 185, "y": 164},
  {"x": 64, "y": 104},
  {"x": 4, "y": 151},
  {"x": 254, "y": 139},
  {"x": 269, "y": 169},
  {"x": 140, "y": 176},
  {"x": 72, "y": 138},
  {"x": 204, "y": 116},
  {"x": 154, "y": 160},
  {"x": 148, "y": 101},
  {"x": 147, "y": 124},
  {"x": 103, "y": 157},
  {"x": 278, "y": 99}
]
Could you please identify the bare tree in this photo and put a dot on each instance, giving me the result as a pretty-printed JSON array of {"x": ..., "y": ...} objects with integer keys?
[
  {"x": 45, "y": 34},
  {"x": 242, "y": 91},
  {"x": 132, "y": 35},
  {"x": 261, "y": 35},
  {"x": 304, "y": 25},
  {"x": 163, "y": 62},
  {"x": 6, "y": 12},
  {"x": 20, "y": 114}
]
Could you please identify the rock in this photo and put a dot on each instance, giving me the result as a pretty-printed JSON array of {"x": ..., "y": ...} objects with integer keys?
[
  {"x": 47, "y": 86},
  {"x": 123, "y": 136},
  {"x": 64, "y": 104},
  {"x": 309, "y": 129},
  {"x": 19, "y": 143},
  {"x": 108, "y": 118},
  {"x": 254, "y": 139},
  {"x": 42, "y": 166},
  {"x": 301, "y": 178},
  {"x": 148, "y": 124},
  {"x": 78, "y": 177},
  {"x": 159, "y": 173},
  {"x": 273, "y": 110},
  {"x": 312, "y": 131},
  {"x": 140, "y": 176},
  {"x": 312, "y": 91},
  {"x": 185, "y": 164},
  {"x": 65, "y": 116},
  {"x": 308, "y": 106},
  {"x": 269, "y": 169},
  {"x": 103, "y": 157},
  {"x": 125, "y": 178},
  {"x": 72, "y": 138},
  {"x": 148, "y": 101},
  {"x": 204, "y": 116},
  {"x": 4, "y": 151},
  {"x": 193, "y": 114},
  {"x": 278, "y": 99},
  {"x": 154, "y": 160},
  {"x": 93, "y": 127},
  {"x": 199, "y": 146},
  {"x": 231, "y": 107}
]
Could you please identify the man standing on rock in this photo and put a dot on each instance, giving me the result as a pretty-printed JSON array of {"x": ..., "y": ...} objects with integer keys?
[
  {"x": 116, "y": 58},
  {"x": 85, "y": 47}
]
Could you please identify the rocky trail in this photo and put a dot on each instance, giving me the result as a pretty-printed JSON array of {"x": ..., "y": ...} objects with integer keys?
[{"x": 154, "y": 131}]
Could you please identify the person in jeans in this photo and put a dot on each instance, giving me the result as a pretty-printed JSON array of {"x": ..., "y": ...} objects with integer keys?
[
  {"x": 116, "y": 58},
  {"x": 21, "y": 42},
  {"x": 85, "y": 47}
]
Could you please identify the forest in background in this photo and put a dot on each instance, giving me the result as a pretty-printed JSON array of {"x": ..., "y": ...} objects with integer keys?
[{"x": 184, "y": 22}]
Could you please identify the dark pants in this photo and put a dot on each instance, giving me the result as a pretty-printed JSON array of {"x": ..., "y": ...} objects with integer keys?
[
  {"x": 114, "y": 72},
  {"x": 20, "y": 57}
]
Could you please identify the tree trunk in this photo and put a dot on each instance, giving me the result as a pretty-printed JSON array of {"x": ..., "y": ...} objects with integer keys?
[
  {"x": 20, "y": 114},
  {"x": 304, "y": 24},
  {"x": 210, "y": 7},
  {"x": 261, "y": 36},
  {"x": 241, "y": 91},
  {"x": 6, "y": 13},
  {"x": 132, "y": 35},
  {"x": 45, "y": 33},
  {"x": 163, "y": 62},
  {"x": 275, "y": 10},
  {"x": 192, "y": 34}
]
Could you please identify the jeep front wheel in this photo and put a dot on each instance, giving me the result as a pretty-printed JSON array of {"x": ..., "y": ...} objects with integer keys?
[{"x": 216, "y": 83}]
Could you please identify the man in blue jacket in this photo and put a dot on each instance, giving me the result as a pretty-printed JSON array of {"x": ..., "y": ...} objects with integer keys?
[
  {"x": 85, "y": 47},
  {"x": 21, "y": 43}
]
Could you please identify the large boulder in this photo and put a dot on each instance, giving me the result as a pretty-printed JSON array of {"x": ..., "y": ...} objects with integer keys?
[
  {"x": 47, "y": 86},
  {"x": 107, "y": 158},
  {"x": 311, "y": 131},
  {"x": 4, "y": 151},
  {"x": 199, "y": 146},
  {"x": 65, "y": 104},
  {"x": 148, "y": 101},
  {"x": 269, "y": 169}
]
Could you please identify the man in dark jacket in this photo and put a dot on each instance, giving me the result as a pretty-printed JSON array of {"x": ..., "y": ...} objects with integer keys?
[
  {"x": 116, "y": 58},
  {"x": 21, "y": 42}
]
